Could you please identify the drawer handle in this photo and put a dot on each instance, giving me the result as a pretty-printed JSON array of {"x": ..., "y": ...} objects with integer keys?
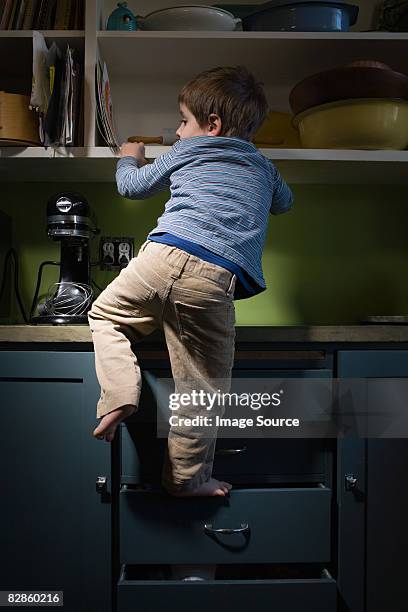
[
  {"x": 243, "y": 529},
  {"x": 230, "y": 451}
]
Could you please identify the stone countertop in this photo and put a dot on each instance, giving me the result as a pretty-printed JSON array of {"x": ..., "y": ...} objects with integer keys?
[{"x": 247, "y": 333}]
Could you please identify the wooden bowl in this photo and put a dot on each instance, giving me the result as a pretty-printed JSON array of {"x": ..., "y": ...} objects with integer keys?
[{"x": 362, "y": 79}]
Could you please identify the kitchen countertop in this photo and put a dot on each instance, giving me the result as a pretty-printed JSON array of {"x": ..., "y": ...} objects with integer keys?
[{"x": 245, "y": 333}]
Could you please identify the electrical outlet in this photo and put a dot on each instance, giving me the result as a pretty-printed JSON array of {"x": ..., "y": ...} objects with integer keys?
[{"x": 115, "y": 252}]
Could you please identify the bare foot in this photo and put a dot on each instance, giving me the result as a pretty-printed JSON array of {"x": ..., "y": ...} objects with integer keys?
[
  {"x": 107, "y": 427},
  {"x": 210, "y": 488}
]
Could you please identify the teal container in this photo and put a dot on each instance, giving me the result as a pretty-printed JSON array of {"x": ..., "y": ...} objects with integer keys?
[{"x": 122, "y": 18}]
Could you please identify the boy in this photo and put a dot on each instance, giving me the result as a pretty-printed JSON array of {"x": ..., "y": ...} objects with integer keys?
[{"x": 205, "y": 252}]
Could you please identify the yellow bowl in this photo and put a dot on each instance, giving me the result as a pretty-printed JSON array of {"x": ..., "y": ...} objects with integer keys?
[
  {"x": 355, "y": 124},
  {"x": 277, "y": 131}
]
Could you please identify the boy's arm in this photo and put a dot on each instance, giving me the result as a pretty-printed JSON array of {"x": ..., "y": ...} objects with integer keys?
[
  {"x": 282, "y": 199},
  {"x": 138, "y": 182},
  {"x": 136, "y": 179}
]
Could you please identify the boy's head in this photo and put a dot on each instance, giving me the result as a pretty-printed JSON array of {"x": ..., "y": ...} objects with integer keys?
[{"x": 223, "y": 101}]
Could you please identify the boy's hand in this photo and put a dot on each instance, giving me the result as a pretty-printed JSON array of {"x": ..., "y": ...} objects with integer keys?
[{"x": 134, "y": 149}]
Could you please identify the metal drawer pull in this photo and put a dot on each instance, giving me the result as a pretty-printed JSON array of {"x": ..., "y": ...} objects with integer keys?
[
  {"x": 243, "y": 529},
  {"x": 230, "y": 451}
]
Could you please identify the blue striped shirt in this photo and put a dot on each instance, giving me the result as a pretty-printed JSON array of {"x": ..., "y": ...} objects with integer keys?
[{"x": 222, "y": 192}]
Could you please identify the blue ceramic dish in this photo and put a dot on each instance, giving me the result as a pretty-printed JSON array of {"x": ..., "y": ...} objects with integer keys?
[
  {"x": 122, "y": 18},
  {"x": 302, "y": 16}
]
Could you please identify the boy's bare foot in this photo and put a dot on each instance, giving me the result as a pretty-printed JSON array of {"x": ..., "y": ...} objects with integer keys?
[
  {"x": 107, "y": 427},
  {"x": 210, "y": 488}
]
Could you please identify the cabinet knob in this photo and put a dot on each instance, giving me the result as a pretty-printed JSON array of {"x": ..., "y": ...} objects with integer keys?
[
  {"x": 350, "y": 482},
  {"x": 101, "y": 485}
]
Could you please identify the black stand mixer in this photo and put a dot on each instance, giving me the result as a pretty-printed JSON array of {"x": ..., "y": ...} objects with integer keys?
[{"x": 68, "y": 221}]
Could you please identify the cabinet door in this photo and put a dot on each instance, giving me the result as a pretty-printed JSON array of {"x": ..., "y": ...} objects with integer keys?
[
  {"x": 55, "y": 527},
  {"x": 383, "y": 493}
]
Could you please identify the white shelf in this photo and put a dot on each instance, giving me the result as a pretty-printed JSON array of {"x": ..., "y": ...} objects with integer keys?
[
  {"x": 147, "y": 70},
  {"x": 46, "y": 33},
  {"x": 377, "y": 35},
  {"x": 76, "y": 164},
  {"x": 312, "y": 166}
]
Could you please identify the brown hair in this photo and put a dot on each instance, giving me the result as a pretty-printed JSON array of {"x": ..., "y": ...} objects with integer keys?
[{"x": 233, "y": 94}]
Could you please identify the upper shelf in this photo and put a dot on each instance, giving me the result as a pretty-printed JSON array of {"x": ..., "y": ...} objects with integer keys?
[
  {"x": 312, "y": 166},
  {"x": 372, "y": 35},
  {"x": 145, "y": 92},
  {"x": 46, "y": 33}
]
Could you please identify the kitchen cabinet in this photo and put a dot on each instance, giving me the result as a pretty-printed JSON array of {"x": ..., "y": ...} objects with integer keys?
[
  {"x": 373, "y": 545},
  {"x": 145, "y": 92},
  {"x": 279, "y": 514},
  {"x": 56, "y": 527},
  {"x": 322, "y": 523}
]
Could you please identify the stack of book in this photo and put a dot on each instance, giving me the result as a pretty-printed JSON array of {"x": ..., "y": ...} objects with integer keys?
[
  {"x": 57, "y": 93},
  {"x": 62, "y": 124},
  {"x": 42, "y": 14}
]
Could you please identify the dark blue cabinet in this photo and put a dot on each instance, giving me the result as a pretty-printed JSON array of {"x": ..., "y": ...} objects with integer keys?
[
  {"x": 55, "y": 532},
  {"x": 56, "y": 526},
  {"x": 373, "y": 531}
]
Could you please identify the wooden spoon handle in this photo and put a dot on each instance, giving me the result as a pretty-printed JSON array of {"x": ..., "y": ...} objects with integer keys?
[{"x": 146, "y": 139}]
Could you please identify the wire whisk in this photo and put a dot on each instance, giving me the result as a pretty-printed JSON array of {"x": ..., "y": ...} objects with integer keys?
[{"x": 67, "y": 298}]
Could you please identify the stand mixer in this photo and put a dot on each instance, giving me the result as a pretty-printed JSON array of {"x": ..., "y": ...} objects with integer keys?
[{"x": 68, "y": 221}]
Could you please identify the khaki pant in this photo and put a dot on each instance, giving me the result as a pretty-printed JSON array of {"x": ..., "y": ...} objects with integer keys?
[{"x": 192, "y": 301}]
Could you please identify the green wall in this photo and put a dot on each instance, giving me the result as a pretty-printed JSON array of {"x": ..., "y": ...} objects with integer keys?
[{"x": 340, "y": 254}]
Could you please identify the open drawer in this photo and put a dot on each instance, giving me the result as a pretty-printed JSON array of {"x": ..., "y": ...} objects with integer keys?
[
  {"x": 245, "y": 588},
  {"x": 251, "y": 460},
  {"x": 268, "y": 525},
  {"x": 237, "y": 460}
]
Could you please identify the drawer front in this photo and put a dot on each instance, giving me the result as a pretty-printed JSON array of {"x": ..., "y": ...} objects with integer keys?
[
  {"x": 288, "y": 595},
  {"x": 255, "y": 460},
  {"x": 278, "y": 525},
  {"x": 240, "y": 460},
  {"x": 372, "y": 363},
  {"x": 261, "y": 460}
]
